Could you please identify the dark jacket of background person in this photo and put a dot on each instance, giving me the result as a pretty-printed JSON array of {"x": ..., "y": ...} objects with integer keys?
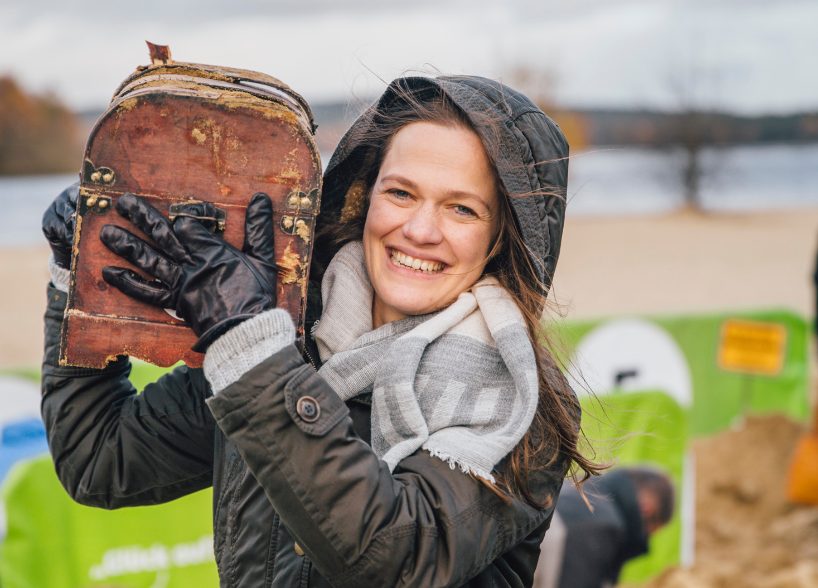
[
  {"x": 425, "y": 524},
  {"x": 597, "y": 544}
]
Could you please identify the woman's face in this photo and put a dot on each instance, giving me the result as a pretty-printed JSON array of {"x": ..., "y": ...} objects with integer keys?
[{"x": 431, "y": 222}]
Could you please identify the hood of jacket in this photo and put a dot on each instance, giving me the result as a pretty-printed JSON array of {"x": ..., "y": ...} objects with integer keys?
[{"x": 532, "y": 159}]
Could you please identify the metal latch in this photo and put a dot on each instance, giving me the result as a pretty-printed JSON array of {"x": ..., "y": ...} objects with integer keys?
[
  {"x": 299, "y": 202},
  {"x": 211, "y": 216}
]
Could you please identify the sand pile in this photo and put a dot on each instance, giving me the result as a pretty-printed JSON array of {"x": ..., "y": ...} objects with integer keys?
[{"x": 747, "y": 534}]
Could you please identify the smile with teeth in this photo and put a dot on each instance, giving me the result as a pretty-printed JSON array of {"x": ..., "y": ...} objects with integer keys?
[{"x": 414, "y": 263}]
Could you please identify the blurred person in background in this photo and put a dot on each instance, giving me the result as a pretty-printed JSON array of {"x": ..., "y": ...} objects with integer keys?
[{"x": 587, "y": 548}]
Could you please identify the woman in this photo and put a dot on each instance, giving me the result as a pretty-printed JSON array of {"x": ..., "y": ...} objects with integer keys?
[{"x": 430, "y": 446}]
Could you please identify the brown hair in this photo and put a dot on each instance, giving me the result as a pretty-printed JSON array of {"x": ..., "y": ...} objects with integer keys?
[{"x": 554, "y": 433}]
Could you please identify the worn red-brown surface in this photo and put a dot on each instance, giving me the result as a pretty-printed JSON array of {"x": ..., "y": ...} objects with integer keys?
[
  {"x": 747, "y": 534},
  {"x": 172, "y": 139}
]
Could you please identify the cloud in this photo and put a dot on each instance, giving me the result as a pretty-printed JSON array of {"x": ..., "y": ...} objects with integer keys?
[{"x": 745, "y": 55}]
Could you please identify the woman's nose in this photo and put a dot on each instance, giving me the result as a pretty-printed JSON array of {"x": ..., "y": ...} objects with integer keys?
[{"x": 423, "y": 226}]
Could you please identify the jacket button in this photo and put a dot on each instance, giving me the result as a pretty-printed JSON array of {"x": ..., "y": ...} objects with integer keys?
[
  {"x": 298, "y": 550},
  {"x": 308, "y": 409}
]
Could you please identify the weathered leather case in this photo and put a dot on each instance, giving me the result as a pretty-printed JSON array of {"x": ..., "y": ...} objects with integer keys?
[{"x": 176, "y": 133}]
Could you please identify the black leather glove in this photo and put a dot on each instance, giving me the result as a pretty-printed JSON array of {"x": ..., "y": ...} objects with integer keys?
[
  {"x": 58, "y": 224},
  {"x": 211, "y": 284}
]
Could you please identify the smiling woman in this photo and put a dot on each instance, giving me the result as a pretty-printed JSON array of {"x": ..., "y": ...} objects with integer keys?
[{"x": 422, "y": 436}]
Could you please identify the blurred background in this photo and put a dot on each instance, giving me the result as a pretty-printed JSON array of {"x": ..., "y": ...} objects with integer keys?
[{"x": 684, "y": 292}]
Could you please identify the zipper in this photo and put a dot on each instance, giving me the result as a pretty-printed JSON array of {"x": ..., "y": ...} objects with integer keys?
[
  {"x": 306, "y": 568},
  {"x": 307, "y": 347},
  {"x": 309, "y": 357}
]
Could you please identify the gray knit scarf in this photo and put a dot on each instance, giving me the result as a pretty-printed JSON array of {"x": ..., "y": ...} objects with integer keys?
[{"x": 460, "y": 383}]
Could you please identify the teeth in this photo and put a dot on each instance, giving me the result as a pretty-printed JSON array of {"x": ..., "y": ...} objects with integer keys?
[{"x": 418, "y": 264}]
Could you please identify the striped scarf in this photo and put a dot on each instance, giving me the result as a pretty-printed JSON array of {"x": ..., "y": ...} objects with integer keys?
[{"x": 460, "y": 383}]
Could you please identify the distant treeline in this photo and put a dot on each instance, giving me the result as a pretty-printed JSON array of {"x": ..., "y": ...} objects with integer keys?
[
  {"x": 659, "y": 129},
  {"x": 656, "y": 129},
  {"x": 38, "y": 134}
]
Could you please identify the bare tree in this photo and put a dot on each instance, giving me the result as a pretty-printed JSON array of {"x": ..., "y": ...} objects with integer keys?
[
  {"x": 694, "y": 132},
  {"x": 537, "y": 84},
  {"x": 691, "y": 137}
]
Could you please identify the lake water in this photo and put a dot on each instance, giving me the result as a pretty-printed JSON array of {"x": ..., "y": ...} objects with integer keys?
[
  {"x": 759, "y": 177},
  {"x": 602, "y": 182}
]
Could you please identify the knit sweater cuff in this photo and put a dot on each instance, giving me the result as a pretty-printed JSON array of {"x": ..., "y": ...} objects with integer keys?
[
  {"x": 60, "y": 276},
  {"x": 245, "y": 346}
]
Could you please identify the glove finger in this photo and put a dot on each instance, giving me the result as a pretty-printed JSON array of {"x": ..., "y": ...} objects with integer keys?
[
  {"x": 55, "y": 228},
  {"x": 58, "y": 224},
  {"x": 62, "y": 211},
  {"x": 258, "y": 229},
  {"x": 139, "y": 253},
  {"x": 135, "y": 286},
  {"x": 153, "y": 223},
  {"x": 66, "y": 205},
  {"x": 72, "y": 192}
]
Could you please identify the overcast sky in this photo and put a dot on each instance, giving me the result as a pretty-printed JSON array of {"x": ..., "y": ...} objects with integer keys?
[{"x": 750, "y": 56}]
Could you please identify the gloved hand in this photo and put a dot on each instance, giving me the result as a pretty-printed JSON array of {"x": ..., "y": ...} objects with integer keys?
[
  {"x": 211, "y": 284},
  {"x": 58, "y": 224}
]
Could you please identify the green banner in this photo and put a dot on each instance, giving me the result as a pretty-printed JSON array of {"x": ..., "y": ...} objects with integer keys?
[
  {"x": 53, "y": 542},
  {"x": 718, "y": 367}
]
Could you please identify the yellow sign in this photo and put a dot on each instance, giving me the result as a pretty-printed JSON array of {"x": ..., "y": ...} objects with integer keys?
[{"x": 752, "y": 347}]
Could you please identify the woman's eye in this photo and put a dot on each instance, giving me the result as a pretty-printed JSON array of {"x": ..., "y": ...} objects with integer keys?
[
  {"x": 464, "y": 210},
  {"x": 398, "y": 193}
]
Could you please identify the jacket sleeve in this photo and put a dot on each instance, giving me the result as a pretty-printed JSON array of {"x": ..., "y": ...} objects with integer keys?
[
  {"x": 113, "y": 447},
  {"x": 423, "y": 525}
]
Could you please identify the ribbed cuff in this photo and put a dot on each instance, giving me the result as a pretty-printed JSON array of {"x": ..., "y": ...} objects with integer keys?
[
  {"x": 60, "y": 276},
  {"x": 246, "y": 345}
]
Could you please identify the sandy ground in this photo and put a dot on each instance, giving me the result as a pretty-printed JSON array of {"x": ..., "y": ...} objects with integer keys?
[
  {"x": 23, "y": 276},
  {"x": 688, "y": 262},
  {"x": 677, "y": 263}
]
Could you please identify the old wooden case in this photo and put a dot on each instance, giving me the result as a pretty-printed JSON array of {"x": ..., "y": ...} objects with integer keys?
[{"x": 177, "y": 133}]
